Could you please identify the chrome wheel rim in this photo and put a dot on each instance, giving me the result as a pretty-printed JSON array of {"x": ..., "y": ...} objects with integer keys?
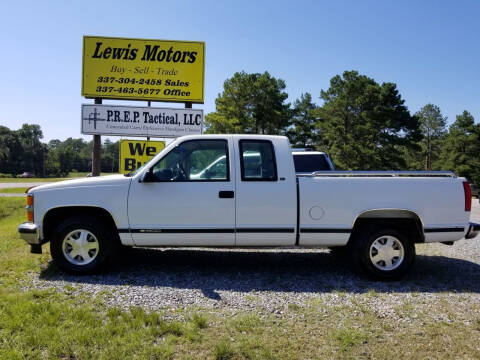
[
  {"x": 387, "y": 253},
  {"x": 80, "y": 247}
]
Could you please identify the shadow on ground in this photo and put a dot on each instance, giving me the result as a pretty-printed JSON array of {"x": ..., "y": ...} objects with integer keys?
[{"x": 285, "y": 271}]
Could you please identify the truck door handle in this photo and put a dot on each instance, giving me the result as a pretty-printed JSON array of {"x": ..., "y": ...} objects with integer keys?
[{"x": 226, "y": 194}]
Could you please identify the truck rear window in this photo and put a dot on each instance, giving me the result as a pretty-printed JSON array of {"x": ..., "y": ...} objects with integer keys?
[
  {"x": 257, "y": 160},
  {"x": 310, "y": 163}
]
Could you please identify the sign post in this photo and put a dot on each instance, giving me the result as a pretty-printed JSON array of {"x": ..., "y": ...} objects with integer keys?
[{"x": 97, "y": 148}]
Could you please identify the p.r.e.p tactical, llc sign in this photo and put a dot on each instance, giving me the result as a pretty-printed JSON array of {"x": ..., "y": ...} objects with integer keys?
[
  {"x": 140, "y": 121},
  {"x": 141, "y": 69}
]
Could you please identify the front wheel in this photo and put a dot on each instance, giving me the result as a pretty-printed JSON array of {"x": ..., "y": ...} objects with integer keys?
[
  {"x": 385, "y": 254},
  {"x": 82, "y": 245}
]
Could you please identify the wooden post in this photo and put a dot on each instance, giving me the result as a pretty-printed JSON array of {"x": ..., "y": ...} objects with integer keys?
[
  {"x": 149, "y": 103},
  {"x": 97, "y": 147}
]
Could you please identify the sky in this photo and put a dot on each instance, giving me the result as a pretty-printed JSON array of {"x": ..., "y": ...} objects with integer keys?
[{"x": 430, "y": 49}]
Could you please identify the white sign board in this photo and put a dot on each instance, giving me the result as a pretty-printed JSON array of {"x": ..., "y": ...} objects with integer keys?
[{"x": 140, "y": 121}]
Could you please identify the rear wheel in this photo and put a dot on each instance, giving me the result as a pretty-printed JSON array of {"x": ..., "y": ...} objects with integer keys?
[
  {"x": 386, "y": 254},
  {"x": 82, "y": 245}
]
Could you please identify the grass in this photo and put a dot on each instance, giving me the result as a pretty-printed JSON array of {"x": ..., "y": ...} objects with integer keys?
[
  {"x": 223, "y": 350},
  {"x": 10, "y": 208},
  {"x": 200, "y": 321},
  {"x": 75, "y": 174},
  {"x": 349, "y": 338},
  {"x": 16, "y": 190},
  {"x": 48, "y": 324}
]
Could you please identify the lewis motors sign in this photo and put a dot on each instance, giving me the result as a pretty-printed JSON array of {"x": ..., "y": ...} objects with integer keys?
[
  {"x": 140, "y": 121},
  {"x": 142, "y": 69}
]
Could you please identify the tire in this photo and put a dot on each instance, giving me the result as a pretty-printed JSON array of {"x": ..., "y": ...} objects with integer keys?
[
  {"x": 82, "y": 245},
  {"x": 383, "y": 253}
]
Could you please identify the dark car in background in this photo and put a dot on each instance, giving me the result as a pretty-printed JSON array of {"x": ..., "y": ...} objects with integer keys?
[
  {"x": 308, "y": 161},
  {"x": 26, "y": 174}
]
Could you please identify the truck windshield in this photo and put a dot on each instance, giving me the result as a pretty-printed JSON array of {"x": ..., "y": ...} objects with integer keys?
[{"x": 310, "y": 163}]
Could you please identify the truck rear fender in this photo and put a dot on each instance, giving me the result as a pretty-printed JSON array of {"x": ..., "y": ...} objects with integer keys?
[
  {"x": 404, "y": 220},
  {"x": 56, "y": 215}
]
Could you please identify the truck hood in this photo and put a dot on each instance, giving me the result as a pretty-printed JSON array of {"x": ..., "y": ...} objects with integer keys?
[{"x": 75, "y": 183}]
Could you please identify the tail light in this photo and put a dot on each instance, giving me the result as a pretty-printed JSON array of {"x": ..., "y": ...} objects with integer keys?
[
  {"x": 29, "y": 207},
  {"x": 468, "y": 196}
]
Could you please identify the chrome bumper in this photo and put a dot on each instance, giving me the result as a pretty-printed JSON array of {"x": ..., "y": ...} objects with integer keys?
[
  {"x": 30, "y": 233},
  {"x": 473, "y": 230}
]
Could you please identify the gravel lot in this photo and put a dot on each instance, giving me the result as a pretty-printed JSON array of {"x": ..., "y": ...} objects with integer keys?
[{"x": 270, "y": 281}]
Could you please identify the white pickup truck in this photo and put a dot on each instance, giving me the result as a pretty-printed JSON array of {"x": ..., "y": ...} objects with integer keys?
[{"x": 242, "y": 191}]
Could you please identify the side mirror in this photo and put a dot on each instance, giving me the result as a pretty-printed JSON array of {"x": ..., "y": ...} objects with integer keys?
[{"x": 147, "y": 176}]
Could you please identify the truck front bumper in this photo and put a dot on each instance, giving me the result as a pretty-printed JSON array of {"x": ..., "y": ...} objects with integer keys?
[
  {"x": 473, "y": 230},
  {"x": 30, "y": 233}
]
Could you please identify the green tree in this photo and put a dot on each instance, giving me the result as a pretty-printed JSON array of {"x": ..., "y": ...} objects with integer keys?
[
  {"x": 59, "y": 158},
  {"x": 303, "y": 132},
  {"x": 33, "y": 158},
  {"x": 461, "y": 148},
  {"x": 68, "y": 155},
  {"x": 110, "y": 155},
  {"x": 250, "y": 103},
  {"x": 433, "y": 128},
  {"x": 11, "y": 152},
  {"x": 4, "y": 148},
  {"x": 80, "y": 159},
  {"x": 365, "y": 125},
  {"x": 52, "y": 163},
  {"x": 22, "y": 150}
]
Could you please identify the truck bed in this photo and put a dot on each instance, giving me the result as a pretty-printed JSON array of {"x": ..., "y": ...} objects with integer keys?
[{"x": 331, "y": 202}]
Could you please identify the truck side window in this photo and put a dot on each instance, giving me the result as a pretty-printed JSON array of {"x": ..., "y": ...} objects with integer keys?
[
  {"x": 195, "y": 160},
  {"x": 257, "y": 160}
]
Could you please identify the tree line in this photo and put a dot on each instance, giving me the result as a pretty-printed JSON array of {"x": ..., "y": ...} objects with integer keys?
[
  {"x": 23, "y": 151},
  {"x": 362, "y": 124}
]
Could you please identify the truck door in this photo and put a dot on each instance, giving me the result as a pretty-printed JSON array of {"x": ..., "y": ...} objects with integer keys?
[
  {"x": 265, "y": 193},
  {"x": 189, "y": 199}
]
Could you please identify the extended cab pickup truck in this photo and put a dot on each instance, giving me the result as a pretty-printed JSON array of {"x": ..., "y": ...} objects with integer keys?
[{"x": 254, "y": 199}]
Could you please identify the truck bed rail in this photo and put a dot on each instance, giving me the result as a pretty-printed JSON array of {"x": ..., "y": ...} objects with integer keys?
[{"x": 327, "y": 173}]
